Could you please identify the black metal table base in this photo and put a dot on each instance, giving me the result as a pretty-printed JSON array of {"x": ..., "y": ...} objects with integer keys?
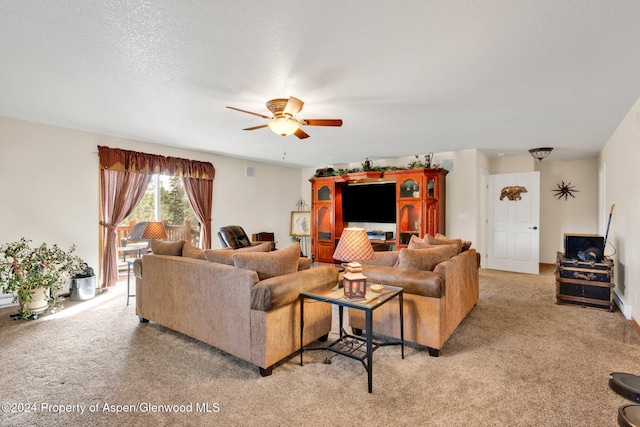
[{"x": 352, "y": 345}]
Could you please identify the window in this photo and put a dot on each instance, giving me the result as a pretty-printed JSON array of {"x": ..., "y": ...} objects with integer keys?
[{"x": 166, "y": 200}]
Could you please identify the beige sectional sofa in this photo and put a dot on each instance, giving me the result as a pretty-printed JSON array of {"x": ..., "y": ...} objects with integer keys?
[
  {"x": 249, "y": 309},
  {"x": 438, "y": 294}
]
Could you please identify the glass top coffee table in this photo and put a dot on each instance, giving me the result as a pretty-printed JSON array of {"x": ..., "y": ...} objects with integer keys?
[{"x": 352, "y": 345}]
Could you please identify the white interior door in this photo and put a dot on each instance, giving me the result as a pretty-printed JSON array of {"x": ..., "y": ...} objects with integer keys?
[{"x": 513, "y": 226}]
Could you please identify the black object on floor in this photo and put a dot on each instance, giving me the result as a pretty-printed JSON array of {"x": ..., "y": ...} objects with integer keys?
[
  {"x": 629, "y": 416},
  {"x": 627, "y": 385}
]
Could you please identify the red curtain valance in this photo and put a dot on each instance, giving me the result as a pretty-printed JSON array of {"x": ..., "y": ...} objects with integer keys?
[{"x": 133, "y": 161}]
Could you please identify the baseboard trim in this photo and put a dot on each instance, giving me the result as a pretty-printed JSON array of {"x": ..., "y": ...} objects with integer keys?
[
  {"x": 6, "y": 300},
  {"x": 635, "y": 324},
  {"x": 625, "y": 308}
]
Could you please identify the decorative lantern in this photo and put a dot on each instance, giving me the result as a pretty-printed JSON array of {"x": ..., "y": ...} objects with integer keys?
[{"x": 354, "y": 282}]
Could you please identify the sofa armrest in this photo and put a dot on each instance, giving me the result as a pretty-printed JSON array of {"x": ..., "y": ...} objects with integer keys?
[
  {"x": 282, "y": 290},
  {"x": 137, "y": 268},
  {"x": 461, "y": 272},
  {"x": 417, "y": 282},
  {"x": 465, "y": 264}
]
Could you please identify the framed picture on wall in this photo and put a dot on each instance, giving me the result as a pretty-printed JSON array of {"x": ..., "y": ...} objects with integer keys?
[{"x": 301, "y": 223}]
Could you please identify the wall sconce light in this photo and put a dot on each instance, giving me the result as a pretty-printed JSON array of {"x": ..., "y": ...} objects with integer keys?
[{"x": 540, "y": 153}]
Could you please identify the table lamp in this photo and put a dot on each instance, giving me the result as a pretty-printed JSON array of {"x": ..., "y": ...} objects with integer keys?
[
  {"x": 154, "y": 230},
  {"x": 354, "y": 245}
]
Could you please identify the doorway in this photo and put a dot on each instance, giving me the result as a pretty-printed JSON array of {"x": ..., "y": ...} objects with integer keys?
[{"x": 513, "y": 221}]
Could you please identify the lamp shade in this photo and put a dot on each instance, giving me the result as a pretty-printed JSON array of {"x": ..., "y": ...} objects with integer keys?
[
  {"x": 354, "y": 245},
  {"x": 154, "y": 230}
]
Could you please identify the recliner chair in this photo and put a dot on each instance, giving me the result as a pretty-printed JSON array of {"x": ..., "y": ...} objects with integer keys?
[{"x": 233, "y": 236}]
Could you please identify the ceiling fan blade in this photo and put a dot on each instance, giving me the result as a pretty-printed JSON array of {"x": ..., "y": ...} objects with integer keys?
[
  {"x": 322, "y": 122},
  {"x": 301, "y": 134},
  {"x": 256, "y": 127},
  {"x": 249, "y": 112},
  {"x": 293, "y": 107}
]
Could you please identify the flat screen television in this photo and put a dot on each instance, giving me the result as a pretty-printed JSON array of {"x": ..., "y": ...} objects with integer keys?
[{"x": 369, "y": 202}]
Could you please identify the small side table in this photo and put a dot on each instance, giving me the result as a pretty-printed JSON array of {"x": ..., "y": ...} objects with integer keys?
[
  {"x": 372, "y": 301},
  {"x": 130, "y": 262}
]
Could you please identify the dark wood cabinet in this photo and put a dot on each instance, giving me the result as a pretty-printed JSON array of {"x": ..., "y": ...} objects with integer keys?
[
  {"x": 420, "y": 200},
  {"x": 420, "y": 206},
  {"x": 585, "y": 283},
  {"x": 326, "y": 211}
]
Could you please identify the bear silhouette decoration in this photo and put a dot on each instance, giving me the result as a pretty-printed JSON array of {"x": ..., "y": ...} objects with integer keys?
[{"x": 512, "y": 193}]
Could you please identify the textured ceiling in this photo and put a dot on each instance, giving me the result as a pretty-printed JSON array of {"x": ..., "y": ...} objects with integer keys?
[{"x": 407, "y": 77}]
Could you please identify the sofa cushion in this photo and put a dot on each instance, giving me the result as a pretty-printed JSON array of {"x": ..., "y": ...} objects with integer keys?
[
  {"x": 191, "y": 251},
  {"x": 466, "y": 244},
  {"x": 159, "y": 247},
  {"x": 271, "y": 264},
  {"x": 224, "y": 256},
  {"x": 417, "y": 243},
  {"x": 386, "y": 258},
  {"x": 221, "y": 256},
  {"x": 428, "y": 238},
  {"x": 425, "y": 259},
  {"x": 304, "y": 263}
]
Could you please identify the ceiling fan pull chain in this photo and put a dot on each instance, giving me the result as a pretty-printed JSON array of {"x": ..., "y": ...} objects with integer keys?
[{"x": 284, "y": 151}]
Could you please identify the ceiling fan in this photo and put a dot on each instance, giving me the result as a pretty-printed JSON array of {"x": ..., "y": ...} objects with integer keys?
[{"x": 284, "y": 122}]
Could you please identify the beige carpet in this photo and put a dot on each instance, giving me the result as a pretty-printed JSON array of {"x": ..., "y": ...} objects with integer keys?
[{"x": 518, "y": 359}]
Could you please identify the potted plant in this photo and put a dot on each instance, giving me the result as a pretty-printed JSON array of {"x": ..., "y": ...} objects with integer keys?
[{"x": 34, "y": 275}]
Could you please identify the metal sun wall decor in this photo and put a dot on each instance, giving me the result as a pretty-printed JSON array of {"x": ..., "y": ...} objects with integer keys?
[
  {"x": 512, "y": 193},
  {"x": 565, "y": 190}
]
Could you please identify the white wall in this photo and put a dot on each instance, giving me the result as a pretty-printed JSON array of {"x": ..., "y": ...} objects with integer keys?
[
  {"x": 577, "y": 215},
  {"x": 621, "y": 158},
  {"x": 513, "y": 164},
  {"x": 49, "y": 187}
]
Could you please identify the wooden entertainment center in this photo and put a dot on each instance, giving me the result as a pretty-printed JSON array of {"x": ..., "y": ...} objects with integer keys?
[{"x": 420, "y": 206}]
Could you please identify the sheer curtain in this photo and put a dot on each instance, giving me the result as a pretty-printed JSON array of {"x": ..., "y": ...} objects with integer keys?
[
  {"x": 124, "y": 176},
  {"x": 120, "y": 193},
  {"x": 200, "y": 194}
]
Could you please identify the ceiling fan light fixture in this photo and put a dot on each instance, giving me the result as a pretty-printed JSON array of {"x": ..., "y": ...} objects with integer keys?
[
  {"x": 284, "y": 126},
  {"x": 540, "y": 153}
]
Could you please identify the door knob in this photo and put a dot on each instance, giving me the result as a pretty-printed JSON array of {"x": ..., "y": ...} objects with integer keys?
[{"x": 533, "y": 228}]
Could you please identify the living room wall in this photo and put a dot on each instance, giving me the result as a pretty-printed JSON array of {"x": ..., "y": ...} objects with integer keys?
[
  {"x": 49, "y": 189},
  {"x": 619, "y": 162},
  {"x": 577, "y": 215}
]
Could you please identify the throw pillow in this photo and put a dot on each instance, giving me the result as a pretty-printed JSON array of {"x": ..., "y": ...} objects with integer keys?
[
  {"x": 271, "y": 264},
  {"x": 159, "y": 247},
  {"x": 466, "y": 244},
  {"x": 417, "y": 243},
  {"x": 223, "y": 256},
  {"x": 425, "y": 259},
  {"x": 192, "y": 251},
  {"x": 444, "y": 241}
]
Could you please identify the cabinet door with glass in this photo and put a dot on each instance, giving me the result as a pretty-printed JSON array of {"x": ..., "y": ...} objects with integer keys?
[
  {"x": 408, "y": 221},
  {"x": 323, "y": 223},
  {"x": 409, "y": 215},
  {"x": 434, "y": 201}
]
